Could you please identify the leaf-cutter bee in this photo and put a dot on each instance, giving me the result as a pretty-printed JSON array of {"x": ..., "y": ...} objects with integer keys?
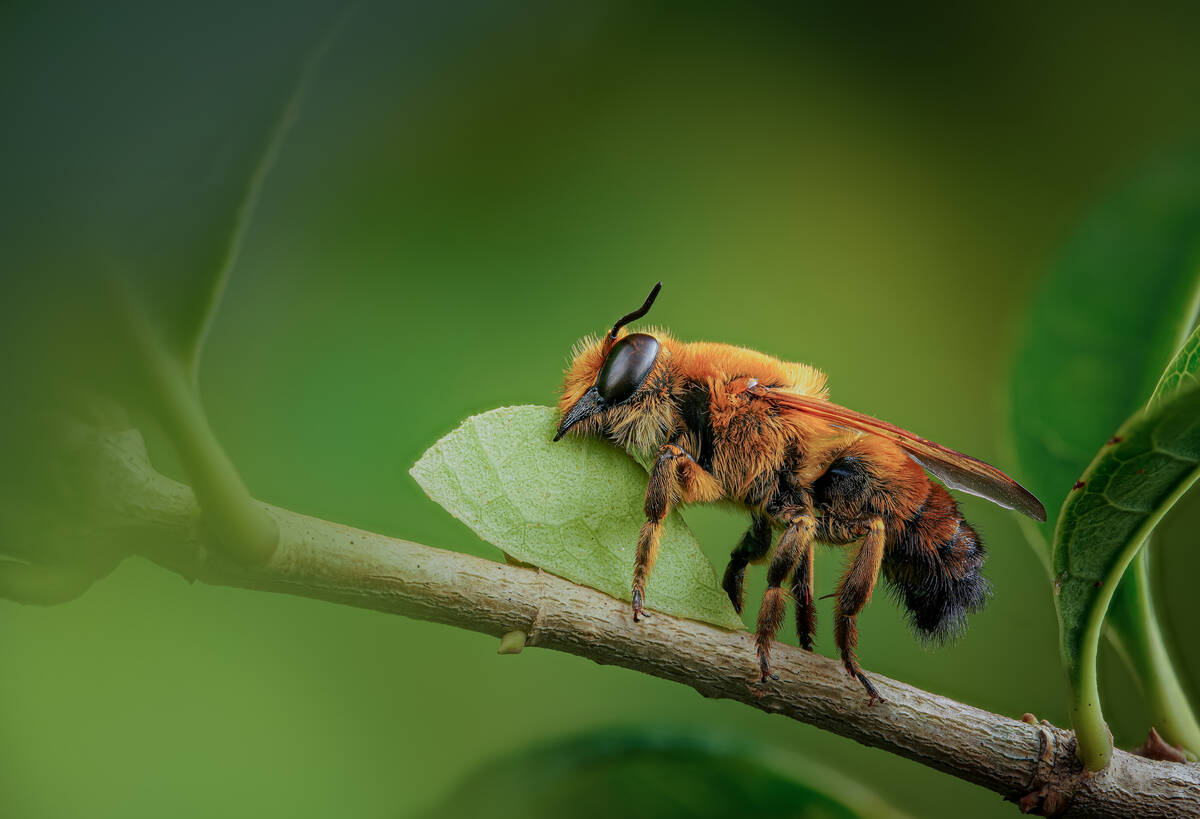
[{"x": 728, "y": 423}]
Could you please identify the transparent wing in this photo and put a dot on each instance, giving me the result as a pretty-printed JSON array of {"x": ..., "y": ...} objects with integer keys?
[{"x": 956, "y": 470}]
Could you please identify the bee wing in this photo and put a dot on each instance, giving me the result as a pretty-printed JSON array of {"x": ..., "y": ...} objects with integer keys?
[{"x": 956, "y": 470}]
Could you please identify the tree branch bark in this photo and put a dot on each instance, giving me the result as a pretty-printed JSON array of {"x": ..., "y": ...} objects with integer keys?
[{"x": 1031, "y": 764}]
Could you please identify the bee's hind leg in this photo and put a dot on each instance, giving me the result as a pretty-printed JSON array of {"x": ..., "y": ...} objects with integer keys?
[
  {"x": 852, "y": 594},
  {"x": 753, "y": 546},
  {"x": 796, "y": 540}
]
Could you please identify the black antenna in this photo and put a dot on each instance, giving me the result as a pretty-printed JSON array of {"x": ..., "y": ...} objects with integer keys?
[{"x": 638, "y": 313}]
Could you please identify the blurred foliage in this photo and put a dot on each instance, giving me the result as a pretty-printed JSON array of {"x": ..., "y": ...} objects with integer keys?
[
  {"x": 573, "y": 508},
  {"x": 465, "y": 191},
  {"x": 117, "y": 296},
  {"x": 658, "y": 774}
]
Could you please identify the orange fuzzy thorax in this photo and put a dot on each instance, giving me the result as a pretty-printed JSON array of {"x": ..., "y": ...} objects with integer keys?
[{"x": 697, "y": 361}]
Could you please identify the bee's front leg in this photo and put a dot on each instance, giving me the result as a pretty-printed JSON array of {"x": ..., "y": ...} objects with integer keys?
[{"x": 675, "y": 478}]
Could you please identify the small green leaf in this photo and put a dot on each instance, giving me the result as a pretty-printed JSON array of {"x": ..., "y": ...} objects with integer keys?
[
  {"x": 573, "y": 508},
  {"x": 658, "y": 774},
  {"x": 1152, "y": 461}
]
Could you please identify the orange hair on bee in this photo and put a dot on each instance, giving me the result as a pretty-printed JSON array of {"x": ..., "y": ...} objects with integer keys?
[{"x": 704, "y": 359}]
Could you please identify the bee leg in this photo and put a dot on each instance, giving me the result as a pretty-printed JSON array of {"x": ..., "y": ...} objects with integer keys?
[
  {"x": 647, "y": 553},
  {"x": 802, "y": 593},
  {"x": 753, "y": 546},
  {"x": 675, "y": 477},
  {"x": 794, "y": 541},
  {"x": 852, "y": 594}
]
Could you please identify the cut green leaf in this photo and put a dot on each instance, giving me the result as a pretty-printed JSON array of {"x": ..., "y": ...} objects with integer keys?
[
  {"x": 573, "y": 508},
  {"x": 658, "y": 774},
  {"x": 1153, "y": 460}
]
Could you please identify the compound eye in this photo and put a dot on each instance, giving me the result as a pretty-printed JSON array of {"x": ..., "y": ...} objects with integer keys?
[{"x": 628, "y": 363}]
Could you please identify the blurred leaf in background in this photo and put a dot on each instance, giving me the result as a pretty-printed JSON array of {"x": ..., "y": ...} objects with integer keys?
[
  {"x": 662, "y": 773},
  {"x": 117, "y": 286}
]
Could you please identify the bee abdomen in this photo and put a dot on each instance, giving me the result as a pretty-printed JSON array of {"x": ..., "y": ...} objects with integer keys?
[{"x": 934, "y": 566}]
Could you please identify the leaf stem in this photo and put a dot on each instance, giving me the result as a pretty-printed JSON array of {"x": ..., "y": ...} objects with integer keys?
[
  {"x": 1094, "y": 740},
  {"x": 243, "y": 531},
  {"x": 1134, "y": 630}
]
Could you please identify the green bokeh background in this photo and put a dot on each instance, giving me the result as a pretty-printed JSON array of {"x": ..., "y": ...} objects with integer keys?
[{"x": 466, "y": 191}]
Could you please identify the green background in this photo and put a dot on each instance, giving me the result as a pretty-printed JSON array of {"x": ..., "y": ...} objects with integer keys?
[{"x": 467, "y": 191}]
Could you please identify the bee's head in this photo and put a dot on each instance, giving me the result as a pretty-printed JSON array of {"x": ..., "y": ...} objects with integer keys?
[{"x": 618, "y": 385}]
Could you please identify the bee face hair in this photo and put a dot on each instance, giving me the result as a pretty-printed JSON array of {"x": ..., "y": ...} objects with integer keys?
[
  {"x": 609, "y": 385},
  {"x": 625, "y": 395}
]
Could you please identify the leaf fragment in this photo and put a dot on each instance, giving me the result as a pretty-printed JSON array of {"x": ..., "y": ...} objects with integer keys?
[{"x": 573, "y": 508}]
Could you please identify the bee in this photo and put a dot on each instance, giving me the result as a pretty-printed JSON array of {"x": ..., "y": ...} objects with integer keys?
[{"x": 726, "y": 423}]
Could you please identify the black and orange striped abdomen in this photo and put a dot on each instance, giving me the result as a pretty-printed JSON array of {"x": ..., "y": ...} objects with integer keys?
[
  {"x": 933, "y": 564},
  {"x": 932, "y": 559}
]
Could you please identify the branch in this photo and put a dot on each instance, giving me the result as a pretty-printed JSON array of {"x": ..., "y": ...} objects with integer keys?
[{"x": 1032, "y": 764}]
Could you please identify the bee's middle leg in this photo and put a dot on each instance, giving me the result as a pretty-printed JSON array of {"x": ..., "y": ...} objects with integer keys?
[
  {"x": 802, "y": 594},
  {"x": 796, "y": 540},
  {"x": 853, "y": 593},
  {"x": 674, "y": 478},
  {"x": 753, "y": 546}
]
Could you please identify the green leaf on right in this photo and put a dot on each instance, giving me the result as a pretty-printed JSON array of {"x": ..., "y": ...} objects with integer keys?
[
  {"x": 1149, "y": 464},
  {"x": 1112, "y": 311},
  {"x": 658, "y": 774},
  {"x": 1108, "y": 316},
  {"x": 573, "y": 508}
]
